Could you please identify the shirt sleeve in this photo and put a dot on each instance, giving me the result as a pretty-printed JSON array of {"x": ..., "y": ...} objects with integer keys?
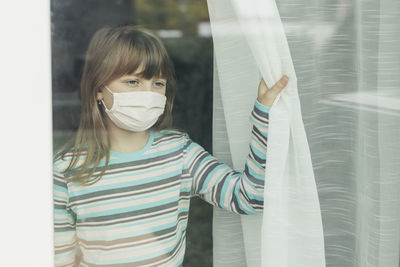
[
  {"x": 65, "y": 241},
  {"x": 220, "y": 185}
]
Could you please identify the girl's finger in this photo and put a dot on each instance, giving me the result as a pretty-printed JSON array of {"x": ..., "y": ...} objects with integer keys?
[{"x": 279, "y": 85}]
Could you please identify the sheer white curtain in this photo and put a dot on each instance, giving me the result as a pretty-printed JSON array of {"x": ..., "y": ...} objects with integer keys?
[{"x": 347, "y": 60}]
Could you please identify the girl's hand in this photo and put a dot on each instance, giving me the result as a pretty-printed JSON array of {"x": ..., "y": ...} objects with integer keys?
[{"x": 266, "y": 96}]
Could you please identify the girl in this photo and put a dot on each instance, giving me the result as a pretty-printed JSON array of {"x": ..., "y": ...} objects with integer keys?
[{"x": 122, "y": 188}]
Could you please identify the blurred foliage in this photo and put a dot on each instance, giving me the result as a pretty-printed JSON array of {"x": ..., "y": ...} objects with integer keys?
[{"x": 183, "y": 15}]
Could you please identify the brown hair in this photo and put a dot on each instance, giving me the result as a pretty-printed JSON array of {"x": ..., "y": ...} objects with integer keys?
[{"x": 112, "y": 53}]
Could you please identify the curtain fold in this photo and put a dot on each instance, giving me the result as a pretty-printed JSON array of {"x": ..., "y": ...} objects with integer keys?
[
  {"x": 334, "y": 136},
  {"x": 250, "y": 43}
]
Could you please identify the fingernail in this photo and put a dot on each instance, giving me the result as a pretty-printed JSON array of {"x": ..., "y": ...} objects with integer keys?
[{"x": 286, "y": 78}]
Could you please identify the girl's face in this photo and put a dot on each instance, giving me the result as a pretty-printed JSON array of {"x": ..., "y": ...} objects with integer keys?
[{"x": 129, "y": 83}]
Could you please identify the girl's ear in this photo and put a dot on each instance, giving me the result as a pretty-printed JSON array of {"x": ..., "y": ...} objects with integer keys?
[{"x": 99, "y": 96}]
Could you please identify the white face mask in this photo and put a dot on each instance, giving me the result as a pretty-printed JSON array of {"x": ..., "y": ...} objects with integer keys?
[{"x": 136, "y": 111}]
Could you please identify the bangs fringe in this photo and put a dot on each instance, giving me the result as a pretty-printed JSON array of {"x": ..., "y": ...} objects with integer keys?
[{"x": 143, "y": 51}]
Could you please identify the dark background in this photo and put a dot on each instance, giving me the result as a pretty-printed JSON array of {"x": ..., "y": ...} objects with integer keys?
[{"x": 73, "y": 24}]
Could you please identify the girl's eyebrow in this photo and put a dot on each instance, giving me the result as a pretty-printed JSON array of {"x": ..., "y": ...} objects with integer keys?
[
  {"x": 132, "y": 75},
  {"x": 140, "y": 76}
]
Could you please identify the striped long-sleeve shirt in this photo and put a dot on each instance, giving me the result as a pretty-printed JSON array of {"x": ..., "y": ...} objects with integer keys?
[{"x": 137, "y": 213}]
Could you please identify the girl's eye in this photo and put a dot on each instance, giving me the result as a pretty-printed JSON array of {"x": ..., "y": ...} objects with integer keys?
[
  {"x": 132, "y": 82},
  {"x": 160, "y": 84}
]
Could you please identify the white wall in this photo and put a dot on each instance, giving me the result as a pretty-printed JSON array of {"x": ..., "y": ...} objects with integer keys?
[{"x": 25, "y": 134}]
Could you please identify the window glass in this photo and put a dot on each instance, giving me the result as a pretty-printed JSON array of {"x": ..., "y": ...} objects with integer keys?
[{"x": 184, "y": 28}]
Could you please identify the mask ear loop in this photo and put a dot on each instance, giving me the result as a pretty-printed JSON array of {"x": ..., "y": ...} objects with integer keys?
[
  {"x": 108, "y": 89},
  {"x": 102, "y": 102}
]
